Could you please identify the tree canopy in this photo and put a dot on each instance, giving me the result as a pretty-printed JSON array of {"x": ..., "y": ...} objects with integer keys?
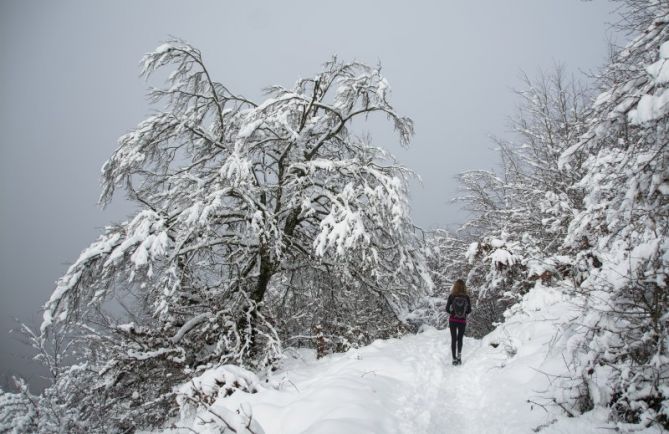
[{"x": 244, "y": 208}]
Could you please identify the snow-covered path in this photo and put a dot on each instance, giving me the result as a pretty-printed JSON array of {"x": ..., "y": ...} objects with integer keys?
[
  {"x": 458, "y": 394},
  {"x": 396, "y": 386},
  {"x": 445, "y": 395},
  {"x": 457, "y": 399},
  {"x": 408, "y": 385}
]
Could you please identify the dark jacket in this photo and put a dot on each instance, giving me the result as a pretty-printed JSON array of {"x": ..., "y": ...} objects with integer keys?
[{"x": 462, "y": 319}]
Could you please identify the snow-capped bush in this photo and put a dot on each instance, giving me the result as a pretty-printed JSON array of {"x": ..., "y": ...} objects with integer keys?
[
  {"x": 214, "y": 383},
  {"x": 621, "y": 356}
]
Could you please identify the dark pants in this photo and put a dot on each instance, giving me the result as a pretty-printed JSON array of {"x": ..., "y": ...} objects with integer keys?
[{"x": 457, "y": 334}]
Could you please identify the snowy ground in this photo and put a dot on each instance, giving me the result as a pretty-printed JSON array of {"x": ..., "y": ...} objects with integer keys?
[{"x": 408, "y": 385}]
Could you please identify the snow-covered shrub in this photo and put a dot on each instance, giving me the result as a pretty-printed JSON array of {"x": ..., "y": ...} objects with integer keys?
[
  {"x": 621, "y": 353},
  {"x": 487, "y": 313},
  {"x": 212, "y": 384},
  {"x": 497, "y": 266}
]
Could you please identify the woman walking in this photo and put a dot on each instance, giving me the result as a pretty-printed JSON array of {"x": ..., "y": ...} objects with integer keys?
[{"x": 458, "y": 306}]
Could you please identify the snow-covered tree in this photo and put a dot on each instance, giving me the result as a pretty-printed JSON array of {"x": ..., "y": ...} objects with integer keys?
[
  {"x": 623, "y": 357},
  {"x": 540, "y": 192},
  {"x": 242, "y": 206},
  {"x": 519, "y": 214}
]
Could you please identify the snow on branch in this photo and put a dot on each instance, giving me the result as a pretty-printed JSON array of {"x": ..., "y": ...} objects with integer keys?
[{"x": 239, "y": 202}]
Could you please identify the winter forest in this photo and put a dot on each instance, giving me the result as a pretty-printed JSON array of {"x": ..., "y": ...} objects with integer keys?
[{"x": 273, "y": 280}]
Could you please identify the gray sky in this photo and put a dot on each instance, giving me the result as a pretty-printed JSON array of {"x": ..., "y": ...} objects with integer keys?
[{"x": 69, "y": 88}]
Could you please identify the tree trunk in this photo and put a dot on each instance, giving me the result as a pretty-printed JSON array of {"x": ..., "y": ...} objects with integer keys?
[
  {"x": 265, "y": 275},
  {"x": 267, "y": 270}
]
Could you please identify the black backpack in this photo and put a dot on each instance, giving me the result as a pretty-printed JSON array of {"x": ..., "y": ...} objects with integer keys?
[{"x": 459, "y": 307}]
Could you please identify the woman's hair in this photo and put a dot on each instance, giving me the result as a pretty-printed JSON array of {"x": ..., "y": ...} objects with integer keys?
[{"x": 459, "y": 287}]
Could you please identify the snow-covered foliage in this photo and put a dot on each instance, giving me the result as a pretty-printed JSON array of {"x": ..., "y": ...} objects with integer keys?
[
  {"x": 444, "y": 254},
  {"x": 532, "y": 195},
  {"x": 257, "y": 224},
  {"x": 520, "y": 214},
  {"x": 623, "y": 357},
  {"x": 197, "y": 396},
  {"x": 18, "y": 411}
]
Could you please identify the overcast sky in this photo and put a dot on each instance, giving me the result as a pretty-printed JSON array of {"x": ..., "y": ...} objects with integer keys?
[{"x": 69, "y": 88}]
